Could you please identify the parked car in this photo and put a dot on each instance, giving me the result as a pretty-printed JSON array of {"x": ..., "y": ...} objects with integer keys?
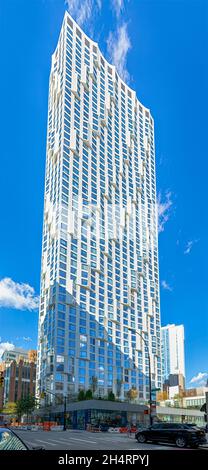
[
  {"x": 182, "y": 435},
  {"x": 10, "y": 441},
  {"x": 140, "y": 427}
]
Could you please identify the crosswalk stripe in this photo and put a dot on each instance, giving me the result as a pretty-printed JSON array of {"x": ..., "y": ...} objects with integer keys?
[{"x": 82, "y": 440}]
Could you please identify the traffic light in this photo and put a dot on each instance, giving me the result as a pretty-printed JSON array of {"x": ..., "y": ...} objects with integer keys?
[
  {"x": 1, "y": 380},
  {"x": 42, "y": 394}
]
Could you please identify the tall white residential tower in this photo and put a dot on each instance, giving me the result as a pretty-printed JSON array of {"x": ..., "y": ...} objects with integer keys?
[
  {"x": 173, "y": 356},
  {"x": 99, "y": 274}
]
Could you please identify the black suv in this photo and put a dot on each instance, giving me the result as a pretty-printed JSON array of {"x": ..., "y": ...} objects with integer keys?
[{"x": 182, "y": 435}]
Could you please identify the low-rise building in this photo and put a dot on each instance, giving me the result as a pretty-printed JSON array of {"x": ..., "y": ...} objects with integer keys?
[
  {"x": 19, "y": 369},
  {"x": 80, "y": 414},
  {"x": 14, "y": 355},
  {"x": 113, "y": 413},
  {"x": 1, "y": 385},
  {"x": 195, "y": 397},
  {"x": 19, "y": 380},
  {"x": 179, "y": 405},
  {"x": 175, "y": 414}
]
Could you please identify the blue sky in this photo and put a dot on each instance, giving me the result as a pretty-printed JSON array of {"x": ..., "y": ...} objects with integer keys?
[{"x": 163, "y": 46}]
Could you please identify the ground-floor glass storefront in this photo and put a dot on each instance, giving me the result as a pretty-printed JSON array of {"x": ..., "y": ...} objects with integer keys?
[{"x": 80, "y": 419}]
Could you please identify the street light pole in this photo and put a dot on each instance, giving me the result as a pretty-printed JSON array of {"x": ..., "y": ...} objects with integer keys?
[
  {"x": 64, "y": 403},
  {"x": 64, "y": 414},
  {"x": 150, "y": 388},
  {"x": 150, "y": 377}
]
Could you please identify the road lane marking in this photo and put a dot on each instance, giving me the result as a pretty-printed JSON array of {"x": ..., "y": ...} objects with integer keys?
[
  {"x": 63, "y": 440},
  {"x": 58, "y": 442},
  {"x": 45, "y": 442}
]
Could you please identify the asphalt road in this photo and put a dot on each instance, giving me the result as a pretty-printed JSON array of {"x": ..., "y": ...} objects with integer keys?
[{"x": 83, "y": 440}]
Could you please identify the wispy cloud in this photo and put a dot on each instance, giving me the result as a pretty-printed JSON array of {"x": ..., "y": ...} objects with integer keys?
[
  {"x": 19, "y": 296},
  {"x": 166, "y": 286},
  {"x": 199, "y": 378},
  {"x": 27, "y": 339},
  {"x": 83, "y": 11},
  {"x": 6, "y": 347},
  {"x": 118, "y": 44},
  {"x": 189, "y": 246},
  {"x": 164, "y": 210},
  {"x": 118, "y": 6}
]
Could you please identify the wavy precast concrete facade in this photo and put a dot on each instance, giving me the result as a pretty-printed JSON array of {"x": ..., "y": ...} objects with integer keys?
[{"x": 99, "y": 273}]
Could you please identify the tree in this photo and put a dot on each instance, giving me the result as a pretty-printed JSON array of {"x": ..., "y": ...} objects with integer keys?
[
  {"x": 111, "y": 396},
  {"x": 94, "y": 381},
  {"x": 132, "y": 394},
  {"x": 81, "y": 395},
  {"x": 162, "y": 396},
  {"x": 20, "y": 408},
  {"x": 10, "y": 408},
  {"x": 25, "y": 405},
  {"x": 88, "y": 395}
]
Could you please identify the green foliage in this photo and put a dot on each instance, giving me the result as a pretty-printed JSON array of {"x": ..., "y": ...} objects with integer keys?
[
  {"x": 81, "y": 395},
  {"x": 10, "y": 408},
  {"x": 88, "y": 395},
  {"x": 111, "y": 396},
  {"x": 25, "y": 405}
]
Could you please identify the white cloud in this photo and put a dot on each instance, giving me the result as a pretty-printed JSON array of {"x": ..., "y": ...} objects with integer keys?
[
  {"x": 163, "y": 210},
  {"x": 118, "y": 6},
  {"x": 83, "y": 10},
  {"x": 166, "y": 286},
  {"x": 189, "y": 246},
  {"x": 27, "y": 339},
  {"x": 118, "y": 44},
  {"x": 18, "y": 296},
  {"x": 6, "y": 347},
  {"x": 199, "y": 378}
]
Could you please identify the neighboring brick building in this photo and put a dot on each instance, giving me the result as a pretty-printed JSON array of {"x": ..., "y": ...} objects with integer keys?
[
  {"x": 1, "y": 387},
  {"x": 19, "y": 378}
]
